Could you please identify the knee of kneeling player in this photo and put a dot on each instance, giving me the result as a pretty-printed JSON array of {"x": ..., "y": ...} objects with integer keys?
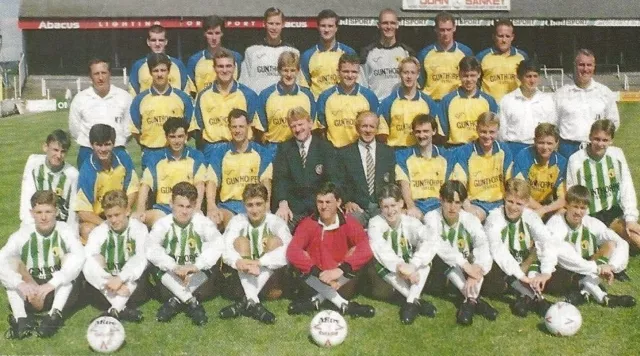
[
  {"x": 242, "y": 245},
  {"x": 272, "y": 243}
]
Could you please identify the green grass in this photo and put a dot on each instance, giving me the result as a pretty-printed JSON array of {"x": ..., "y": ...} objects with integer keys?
[{"x": 604, "y": 331}]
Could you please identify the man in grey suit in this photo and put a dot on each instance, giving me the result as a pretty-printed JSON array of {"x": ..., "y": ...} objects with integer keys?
[
  {"x": 365, "y": 166},
  {"x": 302, "y": 164}
]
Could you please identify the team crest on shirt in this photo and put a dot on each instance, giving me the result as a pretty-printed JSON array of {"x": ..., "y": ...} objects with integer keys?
[
  {"x": 403, "y": 241},
  {"x": 585, "y": 244},
  {"x": 192, "y": 243},
  {"x": 386, "y": 177},
  {"x": 57, "y": 252},
  {"x": 612, "y": 173},
  {"x": 461, "y": 243},
  {"x": 319, "y": 169},
  {"x": 521, "y": 236},
  {"x": 399, "y": 58}
]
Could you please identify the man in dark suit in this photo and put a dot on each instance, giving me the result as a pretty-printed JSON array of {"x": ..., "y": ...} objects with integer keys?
[
  {"x": 302, "y": 164},
  {"x": 365, "y": 166}
]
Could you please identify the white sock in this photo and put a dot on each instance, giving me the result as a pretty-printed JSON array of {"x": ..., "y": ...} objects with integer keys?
[
  {"x": 175, "y": 286},
  {"x": 119, "y": 302},
  {"x": 197, "y": 279},
  {"x": 416, "y": 289},
  {"x": 590, "y": 285},
  {"x": 61, "y": 294},
  {"x": 16, "y": 303},
  {"x": 522, "y": 289},
  {"x": 456, "y": 276},
  {"x": 252, "y": 285},
  {"x": 327, "y": 291},
  {"x": 398, "y": 283}
]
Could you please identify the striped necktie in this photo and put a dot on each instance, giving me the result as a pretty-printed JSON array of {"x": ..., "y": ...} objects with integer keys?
[
  {"x": 370, "y": 170},
  {"x": 303, "y": 155}
]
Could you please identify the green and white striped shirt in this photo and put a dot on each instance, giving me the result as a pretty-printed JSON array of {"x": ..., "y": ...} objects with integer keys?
[
  {"x": 37, "y": 176},
  {"x": 608, "y": 180}
]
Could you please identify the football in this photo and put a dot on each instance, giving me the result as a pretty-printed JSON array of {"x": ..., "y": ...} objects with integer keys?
[
  {"x": 328, "y": 328},
  {"x": 563, "y": 319},
  {"x": 105, "y": 334}
]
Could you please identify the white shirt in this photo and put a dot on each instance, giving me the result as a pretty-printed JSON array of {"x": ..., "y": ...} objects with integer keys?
[
  {"x": 259, "y": 69},
  {"x": 134, "y": 266},
  {"x": 69, "y": 269},
  {"x": 38, "y": 176},
  {"x": 304, "y": 144},
  {"x": 534, "y": 232},
  {"x": 88, "y": 109},
  {"x": 239, "y": 226},
  {"x": 519, "y": 115},
  {"x": 604, "y": 197},
  {"x": 212, "y": 244},
  {"x": 560, "y": 231},
  {"x": 362, "y": 147},
  {"x": 469, "y": 224},
  {"x": 578, "y": 108},
  {"x": 412, "y": 234}
]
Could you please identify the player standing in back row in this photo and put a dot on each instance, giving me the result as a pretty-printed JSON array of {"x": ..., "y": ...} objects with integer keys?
[
  {"x": 259, "y": 68},
  {"x": 319, "y": 63},
  {"x": 380, "y": 59}
]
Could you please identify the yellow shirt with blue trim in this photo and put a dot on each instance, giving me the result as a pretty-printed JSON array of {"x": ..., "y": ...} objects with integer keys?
[
  {"x": 439, "y": 74},
  {"x": 212, "y": 110},
  {"x": 399, "y": 112},
  {"x": 168, "y": 171},
  {"x": 460, "y": 114},
  {"x": 424, "y": 174},
  {"x": 499, "y": 70},
  {"x": 337, "y": 111},
  {"x": 273, "y": 105},
  {"x": 200, "y": 69},
  {"x": 150, "y": 109},
  {"x": 140, "y": 78},
  {"x": 232, "y": 171},
  {"x": 320, "y": 66},
  {"x": 547, "y": 181},
  {"x": 94, "y": 182},
  {"x": 483, "y": 174}
]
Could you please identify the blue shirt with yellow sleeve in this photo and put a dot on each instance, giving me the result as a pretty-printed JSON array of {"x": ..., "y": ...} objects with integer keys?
[
  {"x": 439, "y": 73},
  {"x": 150, "y": 109},
  {"x": 398, "y": 112},
  {"x": 140, "y": 78},
  {"x": 200, "y": 68},
  {"x": 320, "y": 66},
  {"x": 499, "y": 70},
  {"x": 547, "y": 181},
  {"x": 483, "y": 174},
  {"x": 424, "y": 175},
  {"x": 232, "y": 171},
  {"x": 213, "y": 107},
  {"x": 94, "y": 182},
  {"x": 337, "y": 111},
  {"x": 273, "y": 105},
  {"x": 168, "y": 171},
  {"x": 460, "y": 114}
]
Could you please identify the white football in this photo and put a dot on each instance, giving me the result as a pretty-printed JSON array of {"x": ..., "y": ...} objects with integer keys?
[
  {"x": 563, "y": 319},
  {"x": 328, "y": 328},
  {"x": 105, "y": 334}
]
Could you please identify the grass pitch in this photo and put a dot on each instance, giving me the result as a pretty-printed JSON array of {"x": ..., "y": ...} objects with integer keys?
[{"x": 604, "y": 331}]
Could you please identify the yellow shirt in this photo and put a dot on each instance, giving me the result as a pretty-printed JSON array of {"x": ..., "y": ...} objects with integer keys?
[
  {"x": 439, "y": 74},
  {"x": 499, "y": 71}
]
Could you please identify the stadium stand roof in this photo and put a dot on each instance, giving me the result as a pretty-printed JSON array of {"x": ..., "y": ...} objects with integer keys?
[{"x": 520, "y": 9}]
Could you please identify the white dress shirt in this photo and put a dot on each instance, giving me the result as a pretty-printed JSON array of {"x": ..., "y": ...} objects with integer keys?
[
  {"x": 519, "y": 115},
  {"x": 362, "y": 147},
  {"x": 89, "y": 108},
  {"x": 578, "y": 108}
]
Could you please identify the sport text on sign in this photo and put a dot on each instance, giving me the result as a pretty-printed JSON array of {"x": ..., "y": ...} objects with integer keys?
[{"x": 457, "y": 5}]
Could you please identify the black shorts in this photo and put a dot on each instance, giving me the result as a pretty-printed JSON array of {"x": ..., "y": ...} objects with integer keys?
[{"x": 608, "y": 216}]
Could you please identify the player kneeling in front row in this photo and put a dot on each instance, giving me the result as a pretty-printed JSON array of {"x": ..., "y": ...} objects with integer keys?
[
  {"x": 116, "y": 260},
  {"x": 403, "y": 248},
  {"x": 592, "y": 239},
  {"x": 256, "y": 245},
  {"x": 521, "y": 246},
  {"x": 466, "y": 240},
  {"x": 329, "y": 248},
  {"x": 39, "y": 265},
  {"x": 183, "y": 246}
]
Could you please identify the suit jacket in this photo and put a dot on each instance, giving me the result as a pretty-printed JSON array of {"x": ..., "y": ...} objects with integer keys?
[
  {"x": 353, "y": 178},
  {"x": 298, "y": 185}
]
